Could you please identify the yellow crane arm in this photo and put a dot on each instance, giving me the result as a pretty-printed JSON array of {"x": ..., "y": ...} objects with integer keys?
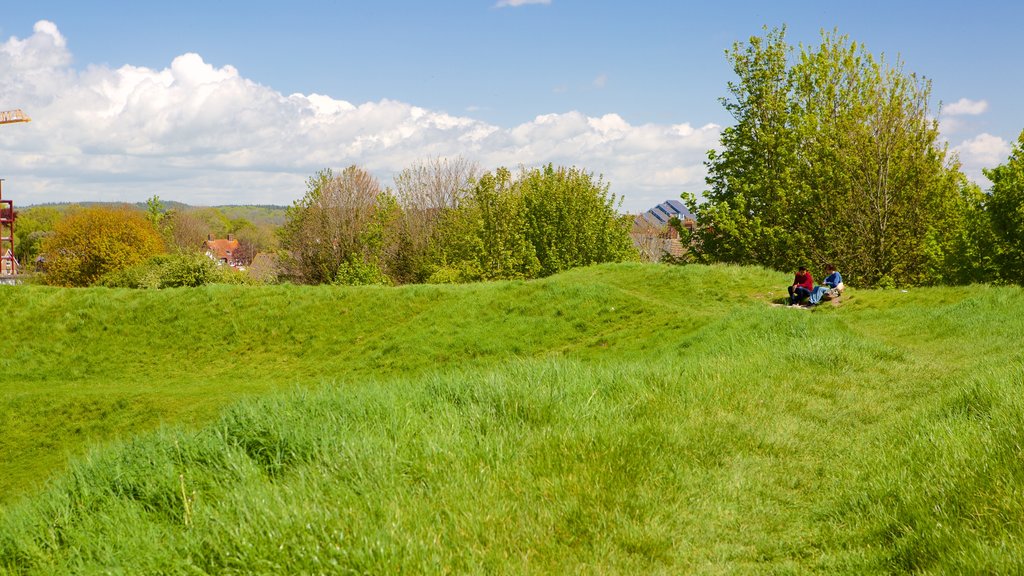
[{"x": 12, "y": 116}]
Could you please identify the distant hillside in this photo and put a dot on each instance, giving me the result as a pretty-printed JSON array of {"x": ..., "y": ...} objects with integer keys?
[
  {"x": 258, "y": 213},
  {"x": 254, "y": 213},
  {"x": 616, "y": 419}
]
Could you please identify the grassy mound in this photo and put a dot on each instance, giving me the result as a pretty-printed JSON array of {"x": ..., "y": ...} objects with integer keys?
[{"x": 615, "y": 419}]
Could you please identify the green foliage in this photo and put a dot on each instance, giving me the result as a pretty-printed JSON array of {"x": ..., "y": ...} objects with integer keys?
[
  {"x": 156, "y": 212},
  {"x": 92, "y": 242},
  {"x": 182, "y": 269},
  {"x": 360, "y": 273},
  {"x": 426, "y": 192},
  {"x": 485, "y": 238},
  {"x": 341, "y": 220},
  {"x": 33, "y": 225},
  {"x": 616, "y": 419},
  {"x": 747, "y": 216},
  {"x": 543, "y": 222},
  {"x": 1005, "y": 208},
  {"x": 966, "y": 251},
  {"x": 834, "y": 157},
  {"x": 572, "y": 220}
]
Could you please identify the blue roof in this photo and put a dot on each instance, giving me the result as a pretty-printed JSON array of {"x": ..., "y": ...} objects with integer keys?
[{"x": 665, "y": 211}]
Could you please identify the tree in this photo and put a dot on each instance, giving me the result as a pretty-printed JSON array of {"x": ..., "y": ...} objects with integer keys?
[
  {"x": 485, "y": 238},
  {"x": 213, "y": 220},
  {"x": 834, "y": 157},
  {"x": 343, "y": 226},
  {"x": 33, "y": 226},
  {"x": 426, "y": 192},
  {"x": 1005, "y": 208},
  {"x": 572, "y": 219},
  {"x": 92, "y": 242},
  {"x": 539, "y": 223},
  {"x": 188, "y": 231},
  {"x": 156, "y": 212},
  {"x": 747, "y": 218}
]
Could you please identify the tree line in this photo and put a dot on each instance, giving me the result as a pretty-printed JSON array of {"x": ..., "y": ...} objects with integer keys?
[
  {"x": 835, "y": 157},
  {"x": 444, "y": 221},
  {"x": 153, "y": 245}
]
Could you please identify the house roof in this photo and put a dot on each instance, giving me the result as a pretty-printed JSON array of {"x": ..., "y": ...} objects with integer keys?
[
  {"x": 222, "y": 249},
  {"x": 665, "y": 211}
]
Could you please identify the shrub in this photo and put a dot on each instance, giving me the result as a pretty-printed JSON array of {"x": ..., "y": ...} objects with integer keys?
[
  {"x": 357, "y": 272},
  {"x": 184, "y": 269},
  {"x": 538, "y": 224},
  {"x": 93, "y": 242}
]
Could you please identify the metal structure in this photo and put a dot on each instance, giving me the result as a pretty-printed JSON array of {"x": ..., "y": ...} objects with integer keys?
[
  {"x": 8, "y": 263},
  {"x": 13, "y": 116}
]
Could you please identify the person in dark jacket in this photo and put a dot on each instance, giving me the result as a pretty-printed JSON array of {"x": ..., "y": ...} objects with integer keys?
[{"x": 802, "y": 285}]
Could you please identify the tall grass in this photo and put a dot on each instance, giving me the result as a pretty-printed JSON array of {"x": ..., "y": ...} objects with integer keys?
[
  {"x": 622, "y": 419},
  {"x": 89, "y": 365}
]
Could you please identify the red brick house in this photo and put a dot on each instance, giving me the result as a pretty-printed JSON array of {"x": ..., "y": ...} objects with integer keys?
[{"x": 223, "y": 250}]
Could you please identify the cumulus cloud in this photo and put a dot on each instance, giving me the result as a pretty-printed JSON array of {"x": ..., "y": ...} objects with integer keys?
[
  {"x": 965, "y": 107},
  {"x": 959, "y": 116},
  {"x": 982, "y": 151},
  {"x": 204, "y": 134},
  {"x": 517, "y": 3}
]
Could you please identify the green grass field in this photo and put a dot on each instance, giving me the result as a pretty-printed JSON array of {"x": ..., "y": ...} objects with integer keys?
[{"x": 617, "y": 419}]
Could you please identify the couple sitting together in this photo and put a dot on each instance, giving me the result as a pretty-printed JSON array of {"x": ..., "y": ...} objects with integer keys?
[{"x": 803, "y": 285}]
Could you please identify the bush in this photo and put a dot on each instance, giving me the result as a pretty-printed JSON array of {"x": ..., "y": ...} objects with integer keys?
[
  {"x": 185, "y": 269},
  {"x": 92, "y": 242},
  {"x": 538, "y": 224},
  {"x": 356, "y": 272}
]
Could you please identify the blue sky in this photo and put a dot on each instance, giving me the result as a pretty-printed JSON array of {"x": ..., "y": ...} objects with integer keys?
[{"x": 238, "y": 102}]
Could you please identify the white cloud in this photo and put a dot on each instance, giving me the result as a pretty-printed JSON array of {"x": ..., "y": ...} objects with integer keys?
[
  {"x": 203, "y": 134},
  {"x": 600, "y": 81},
  {"x": 965, "y": 107},
  {"x": 517, "y": 3},
  {"x": 982, "y": 151},
  {"x": 950, "y": 125}
]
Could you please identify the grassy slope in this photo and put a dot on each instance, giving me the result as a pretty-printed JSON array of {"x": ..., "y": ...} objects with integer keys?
[
  {"x": 91, "y": 364},
  {"x": 619, "y": 418}
]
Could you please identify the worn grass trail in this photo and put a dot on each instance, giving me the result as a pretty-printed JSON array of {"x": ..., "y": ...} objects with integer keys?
[{"x": 617, "y": 419}]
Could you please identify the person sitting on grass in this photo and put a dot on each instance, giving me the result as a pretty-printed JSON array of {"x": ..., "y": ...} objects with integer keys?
[
  {"x": 802, "y": 285},
  {"x": 833, "y": 281}
]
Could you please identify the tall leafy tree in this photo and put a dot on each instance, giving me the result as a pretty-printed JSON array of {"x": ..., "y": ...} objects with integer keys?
[
  {"x": 1005, "y": 208},
  {"x": 749, "y": 213},
  {"x": 485, "y": 237},
  {"x": 572, "y": 219},
  {"x": 834, "y": 157}
]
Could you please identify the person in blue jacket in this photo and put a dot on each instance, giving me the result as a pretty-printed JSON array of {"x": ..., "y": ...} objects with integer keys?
[
  {"x": 834, "y": 278},
  {"x": 831, "y": 282}
]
